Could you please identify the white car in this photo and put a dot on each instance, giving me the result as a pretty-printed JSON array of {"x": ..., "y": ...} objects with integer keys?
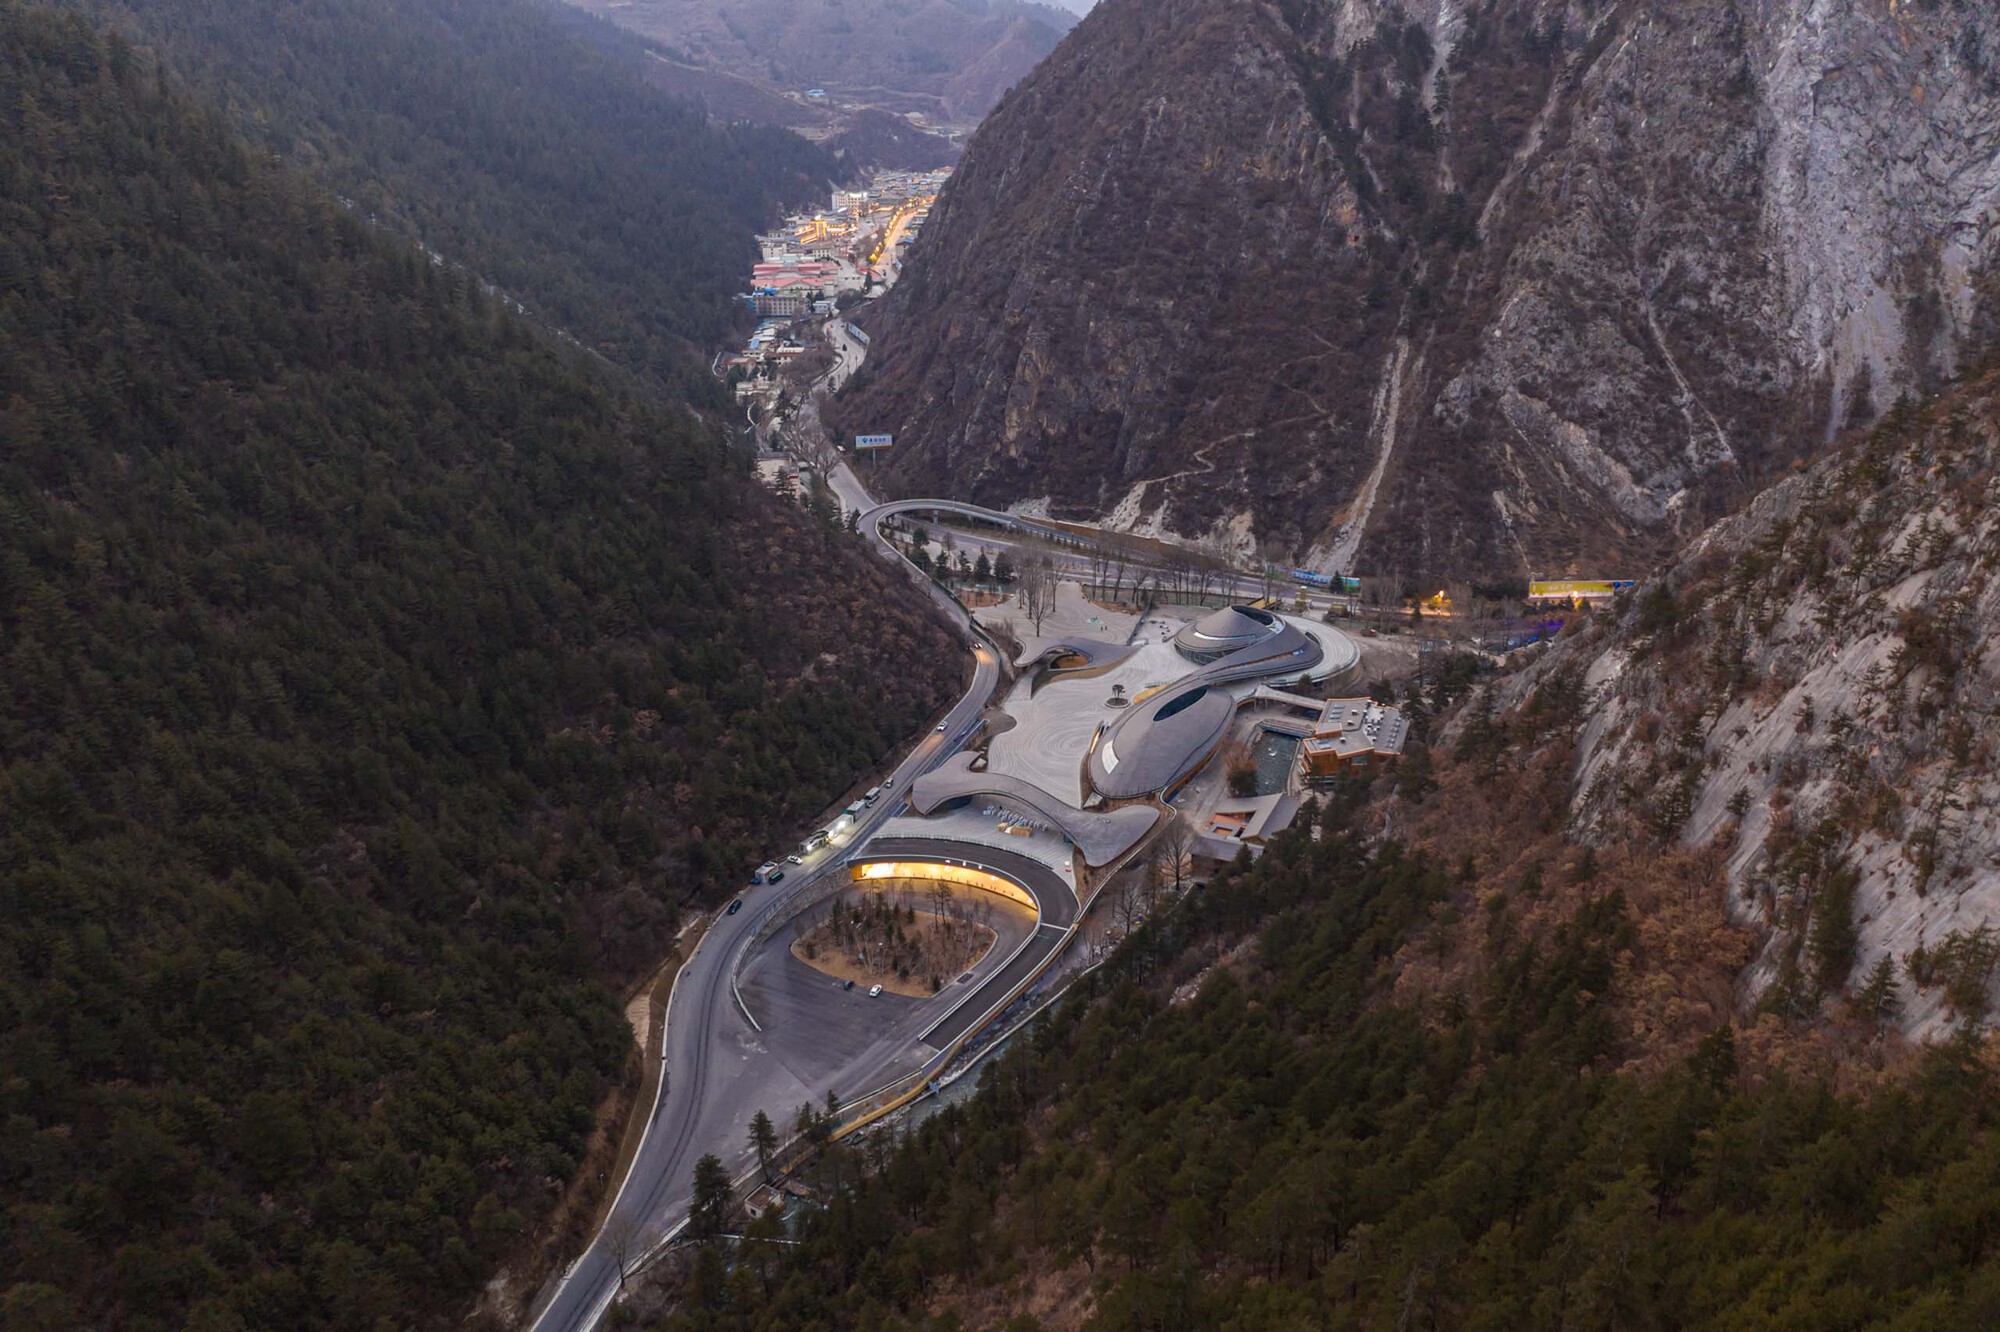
[
  {"x": 874, "y": 992},
  {"x": 940, "y": 728}
]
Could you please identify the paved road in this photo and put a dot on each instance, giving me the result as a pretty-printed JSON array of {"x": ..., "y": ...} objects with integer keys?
[
  {"x": 1058, "y": 910},
  {"x": 1247, "y": 587},
  {"x": 847, "y": 352},
  {"x": 713, "y": 1085},
  {"x": 718, "y": 1073}
]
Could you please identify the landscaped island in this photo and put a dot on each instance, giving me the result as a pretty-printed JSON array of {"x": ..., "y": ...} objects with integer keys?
[{"x": 911, "y": 938}]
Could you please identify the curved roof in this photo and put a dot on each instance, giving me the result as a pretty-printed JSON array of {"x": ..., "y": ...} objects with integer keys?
[
  {"x": 1228, "y": 630},
  {"x": 1160, "y": 742},
  {"x": 1102, "y": 837},
  {"x": 1096, "y": 655}
]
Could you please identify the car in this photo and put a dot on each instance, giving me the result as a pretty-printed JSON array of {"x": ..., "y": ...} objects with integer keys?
[
  {"x": 735, "y": 906},
  {"x": 940, "y": 728},
  {"x": 848, "y": 986},
  {"x": 796, "y": 859},
  {"x": 776, "y": 876},
  {"x": 874, "y": 992}
]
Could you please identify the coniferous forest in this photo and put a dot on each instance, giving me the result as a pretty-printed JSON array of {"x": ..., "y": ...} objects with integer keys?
[
  {"x": 495, "y": 134},
  {"x": 378, "y": 678},
  {"x": 1245, "y": 1122}
]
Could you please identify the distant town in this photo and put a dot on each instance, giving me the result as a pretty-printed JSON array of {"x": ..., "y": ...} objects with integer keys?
[{"x": 817, "y": 264}]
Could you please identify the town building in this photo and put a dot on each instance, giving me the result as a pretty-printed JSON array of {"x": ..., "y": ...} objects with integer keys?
[
  {"x": 1352, "y": 735},
  {"x": 781, "y": 304},
  {"x": 1249, "y": 821}
]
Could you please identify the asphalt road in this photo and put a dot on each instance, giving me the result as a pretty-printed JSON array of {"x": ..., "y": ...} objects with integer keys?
[
  {"x": 848, "y": 353},
  {"x": 1058, "y": 910},
  {"x": 718, "y": 1070},
  {"x": 713, "y": 1083}
]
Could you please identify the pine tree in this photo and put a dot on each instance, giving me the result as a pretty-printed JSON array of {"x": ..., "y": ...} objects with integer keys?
[
  {"x": 763, "y": 1141},
  {"x": 708, "y": 1213},
  {"x": 1877, "y": 997}
]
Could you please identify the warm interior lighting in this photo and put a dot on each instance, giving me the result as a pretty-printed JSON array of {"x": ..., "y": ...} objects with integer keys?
[{"x": 962, "y": 875}]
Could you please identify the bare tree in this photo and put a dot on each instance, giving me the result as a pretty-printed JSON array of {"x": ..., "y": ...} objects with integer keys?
[
  {"x": 1173, "y": 855},
  {"x": 1100, "y": 569},
  {"x": 1121, "y": 564},
  {"x": 1128, "y": 907},
  {"x": 1036, "y": 587},
  {"x": 627, "y": 1242},
  {"x": 806, "y": 437},
  {"x": 940, "y": 895}
]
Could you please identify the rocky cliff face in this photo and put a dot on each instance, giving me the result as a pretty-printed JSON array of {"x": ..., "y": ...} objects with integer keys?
[
  {"x": 1809, "y": 694},
  {"x": 1478, "y": 286}
]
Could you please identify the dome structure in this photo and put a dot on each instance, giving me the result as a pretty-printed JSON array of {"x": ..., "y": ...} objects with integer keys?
[
  {"x": 1229, "y": 630},
  {"x": 1158, "y": 744}
]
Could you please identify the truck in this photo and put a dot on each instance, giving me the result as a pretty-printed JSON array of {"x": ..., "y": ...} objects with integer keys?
[{"x": 763, "y": 872}]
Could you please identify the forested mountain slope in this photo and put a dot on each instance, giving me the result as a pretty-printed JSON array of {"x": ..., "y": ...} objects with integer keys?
[
  {"x": 1477, "y": 1050},
  {"x": 492, "y": 133},
  {"x": 1809, "y": 695},
  {"x": 949, "y": 58},
  {"x": 1363, "y": 1086},
  {"x": 1465, "y": 288},
  {"x": 375, "y": 685}
]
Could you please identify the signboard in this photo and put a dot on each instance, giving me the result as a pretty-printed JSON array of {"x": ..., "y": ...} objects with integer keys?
[
  {"x": 1351, "y": 586},
  {"x": 873, "y": 441},
  {"x": 1583, "y": 589}
]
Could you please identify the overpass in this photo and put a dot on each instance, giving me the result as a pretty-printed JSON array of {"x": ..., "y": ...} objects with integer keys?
[{"x": 871, "y": 520}]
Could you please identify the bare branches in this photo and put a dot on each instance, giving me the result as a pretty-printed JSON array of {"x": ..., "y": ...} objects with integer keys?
[{"x": 1036, "y": 588}]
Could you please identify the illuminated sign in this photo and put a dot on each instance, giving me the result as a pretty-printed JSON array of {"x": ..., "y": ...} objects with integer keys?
[
  {"x": 873, "y": 441},
  {"x": 1579, "y": 589}
]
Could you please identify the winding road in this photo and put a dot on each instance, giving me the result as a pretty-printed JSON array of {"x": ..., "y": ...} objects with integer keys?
[
  {"x": 710, "y": 1087},
  {"x": 717, "y": 1068}
]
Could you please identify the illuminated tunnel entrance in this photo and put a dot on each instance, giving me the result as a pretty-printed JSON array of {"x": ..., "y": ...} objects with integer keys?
[
  {"x": 933, "y": 872},
  {"x": 1011, "y": 875}
]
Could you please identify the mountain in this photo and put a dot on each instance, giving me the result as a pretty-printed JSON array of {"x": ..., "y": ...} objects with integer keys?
[
  {"x": 1806, "y": 697},
  {"x": 1460, "y": 289},
  {"x": 1473, "y": 1047},
  {"x": 513, "y": 140},
  {"x": 950, "y": 59},
  {"x": 379, "y": 678}
]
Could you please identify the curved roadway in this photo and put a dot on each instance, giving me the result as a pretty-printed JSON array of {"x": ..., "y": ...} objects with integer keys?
[
  {"x": 694, "y": 1113},
  {"x": 1055, "y": 904}
]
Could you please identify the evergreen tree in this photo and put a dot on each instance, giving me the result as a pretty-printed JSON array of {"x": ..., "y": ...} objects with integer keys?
[{"x": 708, "y": 1212}]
